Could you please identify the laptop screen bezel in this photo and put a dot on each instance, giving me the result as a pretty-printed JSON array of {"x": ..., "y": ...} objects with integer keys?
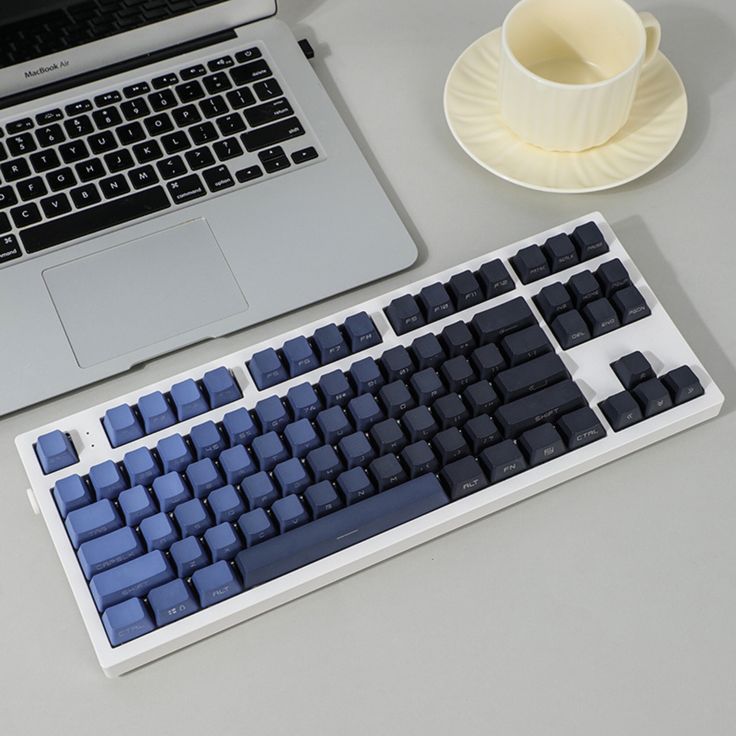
[{"x": 148, "y": 39}]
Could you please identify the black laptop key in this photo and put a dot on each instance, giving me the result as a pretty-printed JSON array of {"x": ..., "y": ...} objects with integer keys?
[
  {"x": 186, "y": 115},
  {"x": 51, "y": 135},
  {"x": 102, "y": 142},
  {"x": 7, "y": 197},
  {"x": 191, "y": 72},
  {"x": 32, "y": 188},
  {"x": 171, "y": 167},
  {"x": 304, "y": 155},
  {"x": 580, "y": 428},
  {"x": 108, "y": 98},
  {"x": 130, "y": 133},
  {"x": 223, "y": 62},
  {"x": 119, "y": 160},
  {"x": 147, "y": 151},
  {"x": 653, "y": 397},
  {"x": 199, "y": 158},
  {"x": 79, "y": 126},
  {"x": 270, "y": 135},
  {"x": 89, "y": 170},
  {"x": 493, "y": 324},
  {"x": 3, "y": 152},
  {"x": 683, "y": 384},
  {"x": 250, "y": 72},
  {"x": 165, "y": 80},
  {"x": 552, "y": 301},
  {"x": 49, "y": 116},
  {"x": 163, "y": 100},
  {"x": 268, "y": 112},
  {"x": 5, "y": 224},
  {"x": 213, "y": 107},
  {"x": 43, "y": 161},
  {"x": 560, "y": 252},
  {"x": 186, "y": 189},
  {"x": 570, "y": 329},
  {"x": 404, "y": 314},
  {"x": 541, "y": 444},
  {"x": 230, "y": 124},
  {"x": 136, "y": 90},
  {"x": 9, "y": 248},
  {"x": 527, "y": 378},
  {"x": 227, "y": 149},
  {"x": 503, "y": 460},
  {"x": 248, "y": 55},
  {"x": 190, "y": 91},
  {"x": 25, "y": 214},
  {"x": 61, "y": 179},
  {"x": 85, "y": 196},
  {"x": 77, "y": 108},
  {"x": 621, "y": 410},
  {"x": 134, "y": 109},
  {"x": 203, "y": 133},
  {"x": 107, "y": 118},
  {"x": 93, "y": 219},
  {"x": 114, "y": 186},
  {"x": 495, "y": 278},
  {"x": 274, "y": 159},
  {"x": 630, "y": 305},
  {"x": 176, "y": 142},
  {"x": 15, "y": 169},
  {"x": 241, "y": 97},
  {"x": 21, "y": 145},
  {"x": 530, "y": 264},
  {"x": 248, "y": 174},
  {"x": 216, "y": 83},
  {"x": 143, "y": 176},
  {"x": 218, "y": 178},
  {"x": 589, "y": 241},
  {"x": 18, "y": 126},
  {"x": 159, "y": 124}
]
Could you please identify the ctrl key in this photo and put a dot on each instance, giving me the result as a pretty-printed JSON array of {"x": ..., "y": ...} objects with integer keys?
[{"x": 126, "y": 621}]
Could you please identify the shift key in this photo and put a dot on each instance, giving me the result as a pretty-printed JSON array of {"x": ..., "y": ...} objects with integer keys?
[{"x": 270, "y": 135}]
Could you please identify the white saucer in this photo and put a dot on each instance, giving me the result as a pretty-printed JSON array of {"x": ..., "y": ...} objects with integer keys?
[{"x": 472, "y": 111}]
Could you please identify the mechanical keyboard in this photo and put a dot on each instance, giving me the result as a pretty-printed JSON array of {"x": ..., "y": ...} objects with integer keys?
[{"x": 198, "y": 502}]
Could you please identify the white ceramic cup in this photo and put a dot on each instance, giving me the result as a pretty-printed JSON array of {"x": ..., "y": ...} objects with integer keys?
[{"x": 570, "y": 68}]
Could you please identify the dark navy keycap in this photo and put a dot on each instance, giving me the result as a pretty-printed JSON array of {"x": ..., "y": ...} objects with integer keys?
[
  {"x": 333, "y": 424},
  {"x": 457, "y": 339},
  {"x": 322, "y": 499},
  {"x": 589, "y": 241},
  {"x": 335, "y": 389},
  {"x": 419, "y": 459},
  {"x": 449, "y": 444},
  {"x": 259, "y": 490},
  {"x": 463, "y": 477},
  {"x": 267, "y": 369},
  {"x": 653, "y": 397},
  {"x": 189, "y": 401},
  {"x": 341, "y": 529},
  {"x": 570, "y": 329},
  {"x": 239, "y": 427},
  {"x": 136, "y": 504},
  {"x": 621, "y": 410},
  {"x": 397, "y": 364},
  {"x": 457, "y": 373},
  {"x": 303, "y": 401},
  {"x": 299, "y": 355},
  {"x": 492, "y": 324},
  {"x": 553, "y": 300},
  {"x": 55, "y": 451},
  {"x": 683, "y": 384},
  {"x": 601, "y": 317},
  {"x": 324, "y": 463},
  {"x": 174, "y": 454},
  {"x": 133, "y": 578},
  {"x": 355, "y": 485},
  {"x": 203, "y": 477},
  {"x": 330, "y": 344},
  {"x": 291, "y": 476},
  {"x": 487, "y": 361},
  {"x": 530, "y": 377},
  {"x": 188, "y": 555},
  {"x": 419, "y": 424},
  {"x": 170, "y": 490},
  {"x": 435, "y": 302},
  {"x": 387, "y": 437},
  {"x": 269, "y": 450},
  {"x": 225, "y": 504},
  {"x": 612, "y": 276},
  {"x": 221, "y": 387},
  {"x": 560, "y": 252},
  {"x": 301, "y": 437},
  {"x": 427, "y": 385},
  {"x": 236, "y": 464},
  {"x": 364, "y": 412},
  {"x": 541, "y": 444},
  {"x": 583, "y": 288},
  {"x": 109, "y": 550},
  {"x": 222, "y": 542},
  {"x": 156, "y": 412},
  {"x": 521, "y": 346},
  {"x": 289, "y": 513},
  {"x": 450, "y": 411},
  {"x": 530, "y": 264},
  {"x": 107, "y": 480},
  {"x": 630, "y": 305},
  {"x": 356, "y": 450},
  {"x": 366, "y": 376},
  {"x": 256, "y": 526},
  {"x": 158, "y": 531},
  {"x": 215, "y": 583},
  {"x": 580, "y": 428},
  {"x": 502, "y": 460},
  {"x": 92, "y": 521},
  {"x": 207, "y": 440},
  {"x": 192, "y": 518},
  {"x": 387, "y": 472},
  {"x": 127, "y": 621},
  {"x": 272, "y": 414},
  {"x": 632, "y": 369},
  {"x": 396, "y": 399},
  {"x": 404, "y": 314},
  {"x": 495, "y": 279},
  {"x": 465, "y": 290},
  {"x": 71, "y": 493},
  {"x": 427, "y": 351},
  {"x": 171, "y": 601},
  {"x": 480, "y": 398},
  {"x": 481, "y": 432},
  {"x": 361, "y": 332},
  {"x": 122, "y": 425}
]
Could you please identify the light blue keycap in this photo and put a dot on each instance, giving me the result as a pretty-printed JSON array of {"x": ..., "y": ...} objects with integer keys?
[
  {"x": 269, "y": 450},
  {"x": 222, "y": 542},
  {"x": 126, "y": 621},
  {"x": 136, "y": 504},
  {"x": 203, "y": 477},
  {"x": 207, "y": 440},
  {"x": 303, "y": 401},
  {"x": 155, "y": 412},
  {"x": 259, "y": 490},
  {"x": 301, "y": 437},
  {"x": 71, "y": 493},
  {"x": 133, "y": 578},
  {"x": 192, "y": 518},
  {"x": 221, "y": 387},
  {"x": 55, "y": 451},
  {"x": 141, "y": 467},
  {"x": 172, "y": 601},
  {"x": 170, "y": 490},
  {"x": 158, "y": 532},
  {"x": 236, "y": 464},
  {"x": 122, "y": 425},
  {"x": 108, "y": 551},
  {"x": 216, "y": 583},
  {"x": 174, "y": 453},
  {"x": 92, "y": 521},
  {"x": 239, "y": 427},
  {"x": 291, "y": 476},
  {"x": 300, "y": 357},
  {"x": 188, "y": 399},
  {"x": 188, "y": 555},
  {"x": 107, "y": 480},
  {"x": 272, "y": 414},
  {"x": 256, "y": 526},
  {"x": 267, "y": 369},
  {"x": 225, "y": 504}
]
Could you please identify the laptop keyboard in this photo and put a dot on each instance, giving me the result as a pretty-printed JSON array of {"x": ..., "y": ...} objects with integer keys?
[{"x": 157, "y": 144}]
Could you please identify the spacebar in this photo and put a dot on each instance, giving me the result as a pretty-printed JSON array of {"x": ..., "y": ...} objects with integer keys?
[
  {"x": 341, "y": 529},
  {"x": 94, "y": 219}
]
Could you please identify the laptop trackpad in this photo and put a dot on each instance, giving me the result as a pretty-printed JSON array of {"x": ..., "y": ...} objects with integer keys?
[{"x": 143, "y": 292}]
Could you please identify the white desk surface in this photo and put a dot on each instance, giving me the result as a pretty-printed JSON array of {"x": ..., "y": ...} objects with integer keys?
[{"x": 604, "y": 606}]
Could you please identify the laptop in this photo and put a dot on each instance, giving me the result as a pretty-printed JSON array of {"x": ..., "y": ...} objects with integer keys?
[{"x": 170, "y": 171}]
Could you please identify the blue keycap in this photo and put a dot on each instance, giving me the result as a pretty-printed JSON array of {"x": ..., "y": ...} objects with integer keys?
[
  {"x": 158, "y": 532},
  {"x": 108, "y": 551},
  {"x": 174, "y": 453},
  {"x": 141, "y": 467},
  {"x": 291, "y": 476},
  {"x": 225, "y": 504},
  {"x": 222, "y": 542},
  {"x": 236, "y": 464},
  {"x": 188, "y": 555},
  {"x": 330, "y": 344},
  {"x": 259, "y": 490},
  {"x": 170, "y": 491},
  {"x": 366, "y": 376},
  {"x": 335, "y": 389},
  {"x": 221, "y": 387},
  {"x": 355, "y": 485},
  {"x": 303, "y": 401},
  {"x": 107, "y": 480},
  {"x": 239, "y": 427},
  {"x": 71, "y": 493},
  {"x": 256, "y": 526},
  {"x": 271, "y": 414},
  {"x": 356, "y": 450},
  {"x": 289, "y": 513},
  {"x": 203, "y": 477},
  {"x": 301, "y": 437},
  {"x": 156, "y": 412},
  {"x": 172, "y": 601},
  {"x": 207, "y": 440},
  {"x": 192, "y": 518},
  {"x": 361, "y": 332},
  {"x": 267, "y": 369},
  {"x": 122, "y": 425},
  {"x": 322, "y": 499},
  {"x": 126, "y": 621},
  {"x": 136, "y": 504},
  {"x": 55, "y": 451},
  {"x": 133, "y": 578},
  {"x": 333, "y": 424},
  {"x": 300, "y": 357},
  {"x": 188, "y": 399},
  {"x": 269, "y": 450},
  {"x": 216, "y": 583},
  {"x": 324, "y": 463},
  {"x": 364, "y": 411},
  {"x": 92, "y": 521}
]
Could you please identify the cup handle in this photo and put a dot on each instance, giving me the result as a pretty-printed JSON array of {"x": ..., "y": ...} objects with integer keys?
[{"x": 654, "y": 35}]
